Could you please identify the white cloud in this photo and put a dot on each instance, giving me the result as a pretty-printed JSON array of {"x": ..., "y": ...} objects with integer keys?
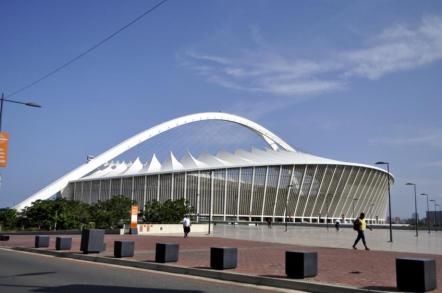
[
  {"x": 398, "y": 48},
  {"x": 265, "y": 70},
  {"x": 265, "y": 73}
]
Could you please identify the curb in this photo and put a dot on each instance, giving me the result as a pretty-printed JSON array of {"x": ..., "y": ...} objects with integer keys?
[{"x": 309, "y": 286}]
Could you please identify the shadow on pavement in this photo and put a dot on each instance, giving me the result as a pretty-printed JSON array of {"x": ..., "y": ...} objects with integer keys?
[
  {"x": 381, "y": 288},
  {"x": 34, "y": 274},
  {"x": 84, "y": 288},
  {"x": 275, "y": 276},
  {"x": 28, "y": 274}
]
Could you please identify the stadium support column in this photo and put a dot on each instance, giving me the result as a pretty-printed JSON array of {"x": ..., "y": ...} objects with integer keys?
[
  {"x": 277, "y": 193},
  {"x": 299, "y": 195},
  {"x": 265, "y": 193},
  {"x": 308, "y": 196},
  {"x": 158, "y": 187},
  {"x": 133, "y": 188},
  {"x": 171, "y": 186},
  {"x": 211, "y": 199},
  {"x": 144, "y": 191},
  {"x": 289, "y": 188},
  {"x": 333, "y": 209},
  {"x": 239, "y": 194},
  {"x": 326, "y": 194},
  {"x": 225, "y": 196},
  {"x": 319, "y": 190},
  {"x": 90, "y": 192},
  {"x": 251, "y": 194},
  {"x": 99, "y": 191},
  {"x": 198, "y": 198},
  {"x": 185, "y": 186}
]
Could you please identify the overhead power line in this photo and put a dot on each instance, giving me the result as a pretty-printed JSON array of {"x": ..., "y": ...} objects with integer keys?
[{"x": 69, "y": 62}]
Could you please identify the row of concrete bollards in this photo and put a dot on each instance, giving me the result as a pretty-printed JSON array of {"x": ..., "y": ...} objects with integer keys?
[{"x": 412, "y": 274}]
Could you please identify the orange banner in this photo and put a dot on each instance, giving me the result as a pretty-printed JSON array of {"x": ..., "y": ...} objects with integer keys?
[
  {"x": 134, "y": 216},
  {"x": 4, "y": 139}
]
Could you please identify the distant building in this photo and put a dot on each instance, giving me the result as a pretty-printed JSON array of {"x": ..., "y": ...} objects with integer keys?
[{"x": 435, "y": 218}]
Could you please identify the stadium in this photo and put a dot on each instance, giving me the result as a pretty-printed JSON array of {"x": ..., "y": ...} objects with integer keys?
[{"x": 279, "y": 182}]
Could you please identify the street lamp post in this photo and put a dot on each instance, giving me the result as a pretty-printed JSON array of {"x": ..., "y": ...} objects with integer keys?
[
  {"x": 2, "y": 100},
  {"x": 415, "y": 205},
  {"x": 389, "y": 196},
  {"x": 428, "y": 212}
]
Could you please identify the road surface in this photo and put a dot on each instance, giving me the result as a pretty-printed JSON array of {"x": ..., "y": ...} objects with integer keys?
[{"x": 26, "y": 272}]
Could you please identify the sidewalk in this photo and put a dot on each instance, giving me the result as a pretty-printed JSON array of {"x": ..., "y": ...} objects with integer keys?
[{"x": 361, "y": 269}]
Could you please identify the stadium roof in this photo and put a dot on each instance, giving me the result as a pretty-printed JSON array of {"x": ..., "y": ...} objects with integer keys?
[{"x": 206, "y": 161}]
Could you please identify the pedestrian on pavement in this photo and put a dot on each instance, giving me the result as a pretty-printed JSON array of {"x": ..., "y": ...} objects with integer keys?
[
  {"x": 337, "y": 224},
  {"x": 186, "y": 225},
  {"x": 360, "y": 225},
  {"x": 269, "y": 223}
]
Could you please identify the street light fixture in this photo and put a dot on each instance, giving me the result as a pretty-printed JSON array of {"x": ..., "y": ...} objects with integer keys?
[
  {"x": 428, "y": 212},
  {"x": 389, "y": 196},
  {"x": 2, "y": 100},
  {"x": 415, "y": 205}
]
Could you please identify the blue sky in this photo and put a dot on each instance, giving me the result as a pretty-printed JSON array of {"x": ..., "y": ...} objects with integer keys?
[{"x": 357, "y": 81}]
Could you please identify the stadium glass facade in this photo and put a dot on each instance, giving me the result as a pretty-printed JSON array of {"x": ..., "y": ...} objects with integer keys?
[{"x": 312, "y": 193}]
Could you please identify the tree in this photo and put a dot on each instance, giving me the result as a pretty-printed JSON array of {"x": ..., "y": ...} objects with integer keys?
[
  {"x": 40, "y": 214},
  {"x": 112, "y": 213},
  {"x": 72, "y": 214},
  {"x": 167, "y": 212},
  {"x": 8, "y": 218},
  {"x": 55, "y": 214},
  {"x": 65, "y": 214}
]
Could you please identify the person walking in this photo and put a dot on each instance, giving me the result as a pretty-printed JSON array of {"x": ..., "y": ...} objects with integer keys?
[
  {"x": 337, "y": 225},
  {"x": 186, "y": 225},
  {"x": 269, "y": 223},
  {"x": 360, "y": 225}
]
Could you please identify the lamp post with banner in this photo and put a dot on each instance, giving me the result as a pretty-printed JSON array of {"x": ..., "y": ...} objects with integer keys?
[
  {"x": 389, "y": 198},
  {"x": 4, "y": 136}
]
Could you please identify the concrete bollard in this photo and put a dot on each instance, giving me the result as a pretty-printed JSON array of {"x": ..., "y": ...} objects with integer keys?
[
  {"x": 41, "y": 241},
  {"x": 223, "y": 258},
  {"x": 416, "y": 274},
  {"x": 4, "y": 237},
  {"x": 63, "y": 243},
  {"x": 124, "y": 248},
  {"x": 166, "y": 252},
  {"x": 92, "y": 241},
  {"x": 301, "y": 264}
]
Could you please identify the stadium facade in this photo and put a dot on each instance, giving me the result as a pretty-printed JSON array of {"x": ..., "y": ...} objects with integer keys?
[{"x": 278, "y": 183}]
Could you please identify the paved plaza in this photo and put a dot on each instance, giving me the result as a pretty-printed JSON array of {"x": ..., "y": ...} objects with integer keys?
[
  {"x": 403, "y": 240},
  {"x": 263, "y": 253}
]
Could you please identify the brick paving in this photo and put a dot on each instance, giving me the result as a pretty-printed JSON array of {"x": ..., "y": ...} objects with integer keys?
[{"x": 358, "y": 268}]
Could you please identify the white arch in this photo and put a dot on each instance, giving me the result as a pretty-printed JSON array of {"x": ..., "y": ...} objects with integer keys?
[{"x": 274, "y": 141}]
